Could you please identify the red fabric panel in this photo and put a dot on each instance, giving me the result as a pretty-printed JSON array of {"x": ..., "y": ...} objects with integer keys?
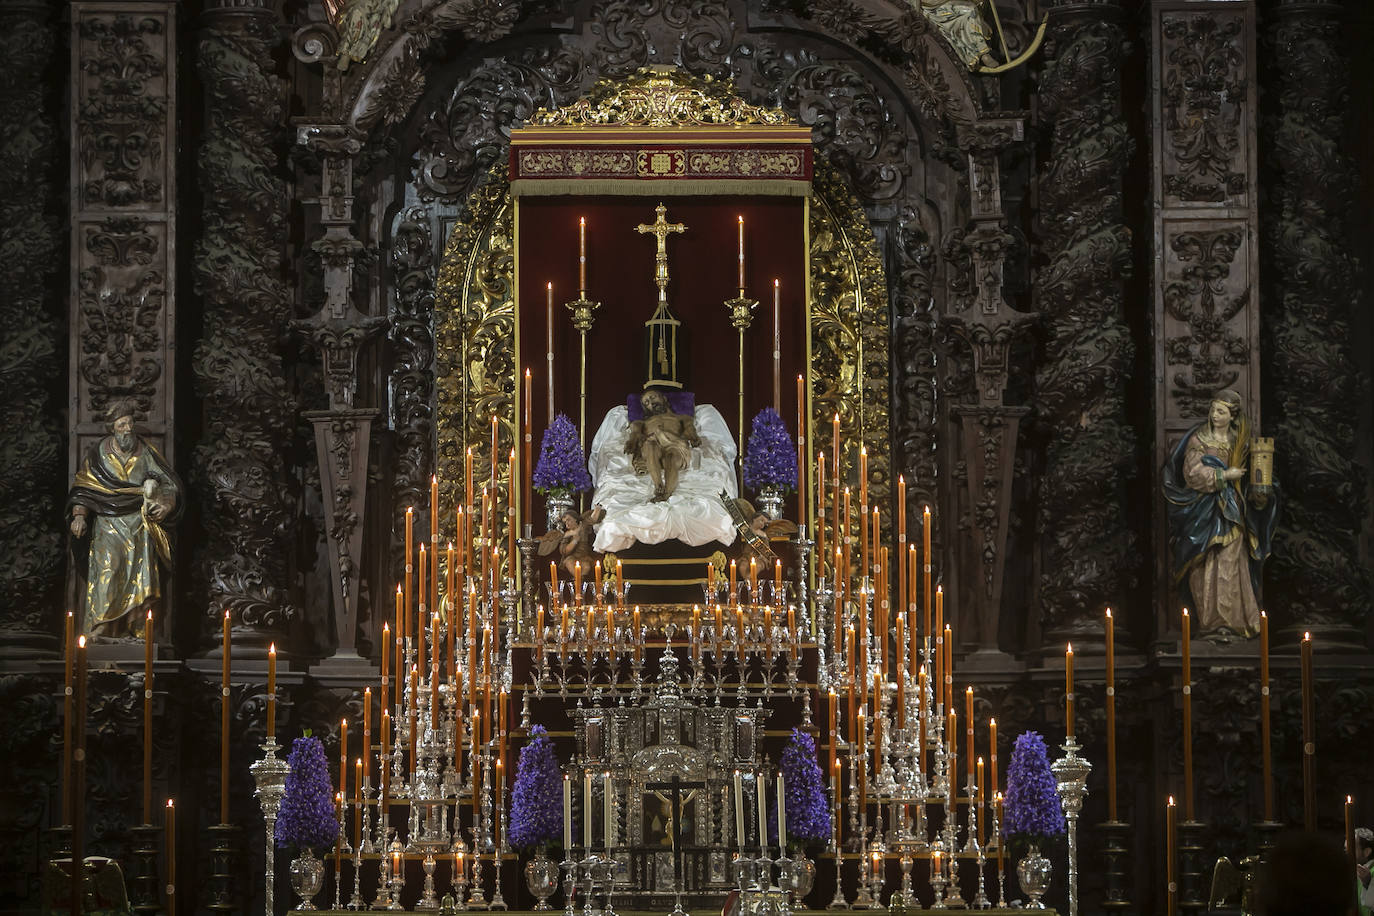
[{"x": 702, "y": 266}]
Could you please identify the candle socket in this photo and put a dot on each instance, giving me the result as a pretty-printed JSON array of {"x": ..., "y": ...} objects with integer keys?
[
  {"x": 145, "y": 887},
  {"x": 1192, "y": 896},
  {"x": 1266, "y": 832},
  {"x": 224, "y": 854},
  {"x": 1116, "y": 837}
]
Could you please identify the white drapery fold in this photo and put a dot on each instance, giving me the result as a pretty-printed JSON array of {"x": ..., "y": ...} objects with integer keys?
[{"x": 693, "y": 514}]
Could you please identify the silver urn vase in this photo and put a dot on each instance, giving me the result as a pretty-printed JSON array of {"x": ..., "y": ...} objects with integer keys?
[
  {"x": 1033, "y": 872},
  {"x": 307, "y": 877},
  {"x": 541, "y": 877},
  {"x": 770, "y": 501},
  {"x": 557, "y": 502},
  {"x": 803, "y": 877}
]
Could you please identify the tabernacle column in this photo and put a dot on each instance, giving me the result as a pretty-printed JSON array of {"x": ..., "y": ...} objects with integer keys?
[
  {"x": 240, "y": 469},
  {"x": 1089, "y": 548},
  {"x": 1317, "y": 579},
  {"x": 31, "y": 470}
]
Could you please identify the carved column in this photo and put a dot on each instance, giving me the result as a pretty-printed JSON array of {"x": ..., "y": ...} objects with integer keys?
[
  {"x": 31, "y": 467},
  {"x": 342, "y": 432},
  {"x": 240, "y": 467},
  {"x": 1317, "y": 579},
  {"x": 1088, "y": 551},
  {"x": 978, "y": 314},
  {"x": 1206, "y": 287}
]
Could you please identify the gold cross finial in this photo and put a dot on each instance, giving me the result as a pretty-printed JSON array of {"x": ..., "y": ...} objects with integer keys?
[{"x": 660, "y": 229}]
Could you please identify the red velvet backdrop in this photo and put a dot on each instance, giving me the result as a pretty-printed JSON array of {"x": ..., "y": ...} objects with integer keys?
[{"x": 702, "y": 267}]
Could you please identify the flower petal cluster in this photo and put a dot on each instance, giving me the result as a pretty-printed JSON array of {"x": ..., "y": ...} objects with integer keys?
[
  {"x": 771, "y": 456},
  {"x": 307, "y": 818},
  {"x": 536, "y": 800},
  {"x": 1032, "y": 804},
  {"x": 808, "y": 804},
  {"x": 561, "y": 468}
]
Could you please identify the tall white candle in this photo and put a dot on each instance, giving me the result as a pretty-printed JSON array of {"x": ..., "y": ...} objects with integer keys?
[
  {"x": 739, "y": 811},
  {"x": 762, "y": 785},
  {"x": 567, "y": 815},
  {"x": 741, "y": 255},
  {"x": 782, "y": 816},
  {"x": 587, "y": 811}
]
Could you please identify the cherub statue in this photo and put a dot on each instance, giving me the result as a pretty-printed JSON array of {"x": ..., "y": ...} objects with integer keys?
[
  {"x": 572, "y": 537},
  {"x": 661, "y": 443}
]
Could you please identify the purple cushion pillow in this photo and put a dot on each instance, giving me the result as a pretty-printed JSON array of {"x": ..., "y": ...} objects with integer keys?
[{"x": 683, "y": 402}]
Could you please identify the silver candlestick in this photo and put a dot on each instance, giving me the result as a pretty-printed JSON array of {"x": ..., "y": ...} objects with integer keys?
[
  {"x": 269, "y": 774},
  {"x": 1071, "y": 774}
]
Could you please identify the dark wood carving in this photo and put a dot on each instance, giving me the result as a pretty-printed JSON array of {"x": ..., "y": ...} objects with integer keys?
[
  {"x": 31, "y": 443},
  {"x": 240, "y": 467},
  {"x": 1205, "y": 112},
  {"x": 1088, "y": 546},
  {"x": 415, "y": 268},
  {"x": 123, "y": 220},
  {"x": 1318, "y": 577},
  {"x": 1202, "y": 296},
  {"x": 1206, "y": 293},
  {"x": 978, "y": 314}
]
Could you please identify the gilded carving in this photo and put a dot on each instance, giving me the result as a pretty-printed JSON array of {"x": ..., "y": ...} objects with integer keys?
[
  {"x": 660, "y": 98},
  {"x": 849, "y": 331},
  {"x": 474, "y": 343}
]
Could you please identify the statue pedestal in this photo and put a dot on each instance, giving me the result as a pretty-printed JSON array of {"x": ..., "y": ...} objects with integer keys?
[{"x": 345, "y": 665}]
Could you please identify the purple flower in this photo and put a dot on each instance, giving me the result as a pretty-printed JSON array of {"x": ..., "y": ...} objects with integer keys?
[
  {"x": 771, "y": 457},
  {"x": 808, "y": 803},
  {"x": 306, "y": 818},
  {"x": 561, "y": 469},
  {"x": 536, "y": 800},
  {"x": 1032, "y": 803}
]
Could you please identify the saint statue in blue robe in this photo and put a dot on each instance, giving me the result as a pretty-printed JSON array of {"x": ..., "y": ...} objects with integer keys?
[{"x": 1221, "y": 526}]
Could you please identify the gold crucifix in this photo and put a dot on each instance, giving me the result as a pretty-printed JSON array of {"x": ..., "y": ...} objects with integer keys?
[{"x": 660, "y": 229}]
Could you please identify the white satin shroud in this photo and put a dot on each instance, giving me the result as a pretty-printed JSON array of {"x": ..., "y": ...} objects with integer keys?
[{"x": 693, "y": 514}]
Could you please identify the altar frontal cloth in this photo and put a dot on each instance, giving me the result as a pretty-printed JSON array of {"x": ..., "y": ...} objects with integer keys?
[{"x": 589, "y": 159}]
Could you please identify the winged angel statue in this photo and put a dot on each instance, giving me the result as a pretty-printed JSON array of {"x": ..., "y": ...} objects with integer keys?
[
  {"x": 963, "y": 25},
  {"x": 360, "y": 23}
]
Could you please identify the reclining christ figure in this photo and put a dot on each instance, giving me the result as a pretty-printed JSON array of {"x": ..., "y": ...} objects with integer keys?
[{"x": 659, "y": 478}]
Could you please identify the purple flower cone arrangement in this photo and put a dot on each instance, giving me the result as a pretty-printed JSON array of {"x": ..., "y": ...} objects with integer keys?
[
  {"x": 307, "y": 818},
  {"x": 808, "y": 805},
  {"x": 561, "y": 467},
  {"x": 771, "y": 457},
  {"x": 1032, "y": 803},
  {"x": 536, "y": 800}
]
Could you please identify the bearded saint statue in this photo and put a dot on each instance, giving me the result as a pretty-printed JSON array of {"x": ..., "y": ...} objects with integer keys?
[{"x": 124, "y": 495}]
